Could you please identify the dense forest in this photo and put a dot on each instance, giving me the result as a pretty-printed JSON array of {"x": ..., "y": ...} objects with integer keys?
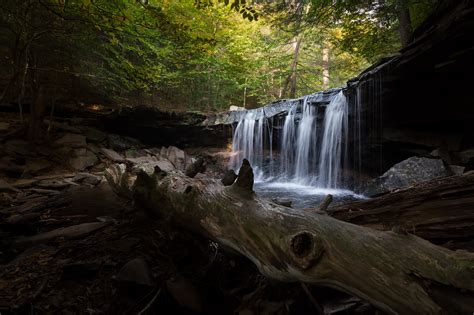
[{"x": 194, "y": 55}]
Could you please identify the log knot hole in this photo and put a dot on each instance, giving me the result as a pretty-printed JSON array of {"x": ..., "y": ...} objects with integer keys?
[{"x": 306, "y": 249}]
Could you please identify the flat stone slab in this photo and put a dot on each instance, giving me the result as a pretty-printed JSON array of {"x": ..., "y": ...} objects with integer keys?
[{"x": 112, "y": 155}]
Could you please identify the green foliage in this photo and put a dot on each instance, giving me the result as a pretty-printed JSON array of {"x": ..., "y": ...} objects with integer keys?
[{"x": 195, "y": 54}]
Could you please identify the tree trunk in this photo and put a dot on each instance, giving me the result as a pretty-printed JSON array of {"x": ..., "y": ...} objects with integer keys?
[
  {"x": 22, "y": 84},
  {"x": 439, "y": 210},
  {"x": 398, "y": 273},
  {"x": 404, "y": 20},
  {"x": 325, "y": 68},
  {"x": 36, "y": 127},
  {"x": 290, "y": 82}
]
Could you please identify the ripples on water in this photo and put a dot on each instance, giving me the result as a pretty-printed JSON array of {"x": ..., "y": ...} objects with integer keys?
[{"x": 303, "y": 196}]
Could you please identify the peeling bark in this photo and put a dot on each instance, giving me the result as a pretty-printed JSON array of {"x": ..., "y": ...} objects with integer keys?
[
  {"x": 398, "y": 273},
  {"x": 440, "y": 210}
]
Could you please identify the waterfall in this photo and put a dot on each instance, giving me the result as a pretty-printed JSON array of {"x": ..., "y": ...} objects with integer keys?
[
  {"x": 288, "y": 144},
  {"x": 305, "y": 143},
  {"x": 248, "y": 141},
  {"x": 335, "y": 136},
  {"x": 310, "y": 153}
]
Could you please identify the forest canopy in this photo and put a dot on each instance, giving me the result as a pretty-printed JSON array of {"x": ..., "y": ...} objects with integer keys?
[{"x": 194, "y": 54}]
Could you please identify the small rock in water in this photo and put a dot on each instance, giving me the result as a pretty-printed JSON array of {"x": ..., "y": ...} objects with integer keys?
[
  {"x": 245, "y": 177},
  {"x": 229, "y": 178}
]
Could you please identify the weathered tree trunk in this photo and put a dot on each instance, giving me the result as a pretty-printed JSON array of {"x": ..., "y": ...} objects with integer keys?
[
  {"x": 404, "y": 20},
  {"x": 440, "y": 210},
  {"x": 326, "y": 67},
  {"x": 290, "y": 83},
  {"x": 398, "y": 273}
]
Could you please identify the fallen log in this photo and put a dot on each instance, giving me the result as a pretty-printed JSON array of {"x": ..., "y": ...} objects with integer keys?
[
  {"x": 398, "y": 273},
  {"x": 439, "y": 210}
]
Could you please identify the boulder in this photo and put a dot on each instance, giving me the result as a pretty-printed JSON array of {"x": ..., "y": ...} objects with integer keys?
[
  {"x": 83, "y": 159},
  {"x": 72, "y": 140},
  {"x": 165, "y": 165},
  {"x": 120, "y": 143},
  {"x": 197, "y": 167},
  {"x": 177, "y": 157},
  {"x": 164, "y": 152},
  {"x": 408, "y": 172},
  {"x": 149, "y": 167},
  {"x": 112, "y": 155}
]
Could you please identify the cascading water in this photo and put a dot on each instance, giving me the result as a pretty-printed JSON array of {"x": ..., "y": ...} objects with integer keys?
[
  {"x": 287, "y": 144},
  {"x": 312, "y": 145},
  {"x": 305, "y": 143},
  {"x": 248, "y": 142},
  {"x": 334, "y": 139},
  {"x": 300, "y": 148}
]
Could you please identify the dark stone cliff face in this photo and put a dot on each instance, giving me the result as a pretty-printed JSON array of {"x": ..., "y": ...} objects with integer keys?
[
  {"x": 421, "y": 99},
  {"x": 156, "y": 127}
]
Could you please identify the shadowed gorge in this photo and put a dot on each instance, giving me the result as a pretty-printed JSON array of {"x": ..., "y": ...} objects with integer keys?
[{"x": 236, "y": 157}]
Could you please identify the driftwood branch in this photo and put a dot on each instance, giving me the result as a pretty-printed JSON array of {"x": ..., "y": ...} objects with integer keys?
[
  {"x": 440, "y": 210},
  {"x": 398, "y": 273}
]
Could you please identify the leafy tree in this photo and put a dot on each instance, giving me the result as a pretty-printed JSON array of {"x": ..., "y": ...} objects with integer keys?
[{"x": 190, "y": 54}]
